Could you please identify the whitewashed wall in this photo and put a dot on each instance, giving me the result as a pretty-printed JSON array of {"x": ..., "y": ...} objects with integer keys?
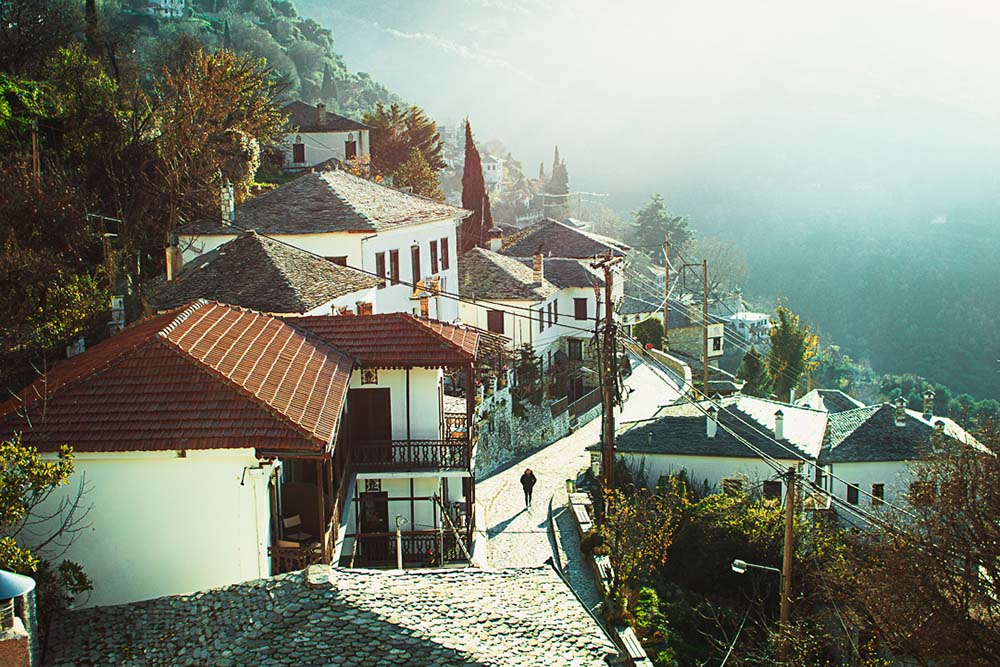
[
  {"x": 425, "y": 400},
  {"x": 162, "y": 525},
  {"x": 348, "y": 301},
  {"x": 894, "y": 474},
  {"x": 703, "y": 468},
  {"x": 516, "y": 328},
  {"x": 322, "y": 146}
]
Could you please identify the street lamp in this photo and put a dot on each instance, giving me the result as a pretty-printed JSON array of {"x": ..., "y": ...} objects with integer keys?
[{"x": 741, "y": 566}]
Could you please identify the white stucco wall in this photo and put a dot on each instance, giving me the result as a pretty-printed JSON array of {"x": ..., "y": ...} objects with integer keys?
[
  {"x": 895, "y": 475},
  {"x": 425, "y": 403},
  {"x": 322, "y": 146},
  {"x": 703, "y": 468},
  {"x": 516, "y": 327},
  {"x": 162, "y": 525}
]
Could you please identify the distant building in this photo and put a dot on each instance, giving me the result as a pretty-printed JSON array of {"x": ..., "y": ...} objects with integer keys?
[
  {"x": 316, "y": 136},
  {"x": 492, "y": 172},
  {"x": 167, "y": 9}
]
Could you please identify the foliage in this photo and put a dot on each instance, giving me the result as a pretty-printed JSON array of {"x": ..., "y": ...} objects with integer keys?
[
  {"x": 728, "y": 268},
  {"x": 793, "y": 351},
  {"x": 639, "y": 528},
  {"x": 755, "y": 372},
  {"x": 417, "y": 175},
  {"x": 26, "y": 481},
  {"x": 649, "y": 332},
  {"x": 944, "y": 558},
  {"x": 473, "y": 231},
  {"x": 397, "y": 132},
  {"x": 557, "y": 204},
  {"x": 32, "y": 29},
  {"x": 527, "y": 376},
  {"x": 650, "y": 225}
]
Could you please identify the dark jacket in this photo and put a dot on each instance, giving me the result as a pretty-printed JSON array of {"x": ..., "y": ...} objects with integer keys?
[{"x": 528, "y": 480}]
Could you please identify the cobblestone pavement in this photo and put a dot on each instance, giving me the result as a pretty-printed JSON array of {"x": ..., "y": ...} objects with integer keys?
[{"x": 518, "y": 536}]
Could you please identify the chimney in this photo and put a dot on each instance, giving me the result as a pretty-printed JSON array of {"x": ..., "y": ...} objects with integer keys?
[
  {"x": 791, "y": 395},
  {"x": 939, "y": 427},
  {"x": 711, "y": 422},
  {"x": 496, "y": 239},
  {"x": 15, "y": 639},
  {"x": 321, "y": 114},
  {"x": 425, "y": 306},
  {"x": 228, "y": 204},
  {"x": 779, "y": 425},
  {"x": 928, "y": 404},
  {"x": 538, "y": 266},
  {"x": 174, "y": 259},
  {"x": 900, "y": 411}
]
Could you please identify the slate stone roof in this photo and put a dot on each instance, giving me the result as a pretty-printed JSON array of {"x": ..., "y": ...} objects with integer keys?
[
  {"x": 262, "y": 274},
  {"x": 830, "y": 400},
  {"x": 305, "y": 117},
  {"x": 565, "y": 272},
  {"x": 682, "y": 430},
  {"x": 557, "y": 239},
  {"x": 398, "y": 340},
  {"x": 331, "y": 201},
  {"x": 360, "y": 618},
  {"x": 870, "y": 434},
  {"x": 485, "y": 274},
  {"x": 210, "y": 376}
]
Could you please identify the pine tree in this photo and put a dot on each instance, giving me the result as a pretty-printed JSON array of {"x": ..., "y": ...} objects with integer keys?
[
  {"x": 754, "y": 371},
  {"x": 417, "y": 175},
  {"x": 793, "y": 349},
  {"x": 328, "y": 91},
  {"x": 541, "y": 171},
  {"x": 650, "y": 225},
  {"x": 474, "y": 198}
]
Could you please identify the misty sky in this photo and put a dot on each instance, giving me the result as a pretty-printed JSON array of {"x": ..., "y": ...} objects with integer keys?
[{"x": 733, "y": 110}]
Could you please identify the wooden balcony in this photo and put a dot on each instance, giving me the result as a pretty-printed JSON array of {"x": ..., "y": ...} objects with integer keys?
[
  {"x": 421, "y": 548},
  {"x": 407, "y": 455}
]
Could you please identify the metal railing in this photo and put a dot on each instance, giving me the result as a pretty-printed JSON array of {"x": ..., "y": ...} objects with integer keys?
[{"x": 451, "y": 453}]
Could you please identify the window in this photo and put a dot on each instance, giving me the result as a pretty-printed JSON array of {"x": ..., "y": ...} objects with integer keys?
[
  {"x": 541, "y": 319},
  {"x": 555, "y": 307},
  {"x": 434, "y": 256},
  {"x": 551, "y": 315},
  {"x": 298, "y": 153},
  {"x": 380, "y": 268},
  {"x": 339, "y": 260},
  {"x": 772, "y": 489},
  {"x": 716, "y": 344},
  {"x": 415, "y": 263},
  {"x": 820, "y": 477},
  {"x": 575, "y": 349},
  {"x": 878, "y": 494},
  {"x": 350, "y": 148},
  {"x": 852, "y": 494},
  {"x": 922, "y": 492},
  {"x": 444, "y": 254},
  {"x": 579, "y": 309},
  {"x": 494, "y": 321},
  {"x": 394, "y": 267}
]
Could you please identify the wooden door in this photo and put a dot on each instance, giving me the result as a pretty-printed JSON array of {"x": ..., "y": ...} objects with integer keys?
[
  {"x": 370, "y": 417},
  {"x": 375, "y": 548}
]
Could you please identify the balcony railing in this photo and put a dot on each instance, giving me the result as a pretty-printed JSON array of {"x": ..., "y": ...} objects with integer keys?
[
  {"x": 420, "y": 548},
  {"x": 450, "y": 453}
]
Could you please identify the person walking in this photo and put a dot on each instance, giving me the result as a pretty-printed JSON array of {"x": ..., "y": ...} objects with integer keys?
[{"x": 528, "y": 480}]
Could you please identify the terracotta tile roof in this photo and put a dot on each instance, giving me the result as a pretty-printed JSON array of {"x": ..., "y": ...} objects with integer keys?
[
  {"x": 396, "y": 340},
  {"x": 305, "y": 118},
  {"x": 331, "y": 201},
  {"x": 556, "y": 239},
  {"x": 209, "y": 377},
  {"x": 256, "y": 272}
]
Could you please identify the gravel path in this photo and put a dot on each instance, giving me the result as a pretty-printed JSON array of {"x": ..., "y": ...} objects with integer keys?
[{"x": 519, "y": 536}]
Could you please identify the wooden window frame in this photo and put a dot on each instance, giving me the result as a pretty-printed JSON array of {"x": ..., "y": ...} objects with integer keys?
[
  {"x": 579, "y": 308},
  {"x": 415, "y": 264},
  {"x": 853, "y": 493},
  {"x": 298, "y": 153},
  {"x": 434, "y": 256},
  {"x": 878, "y": 495},
  {"x": 444, "y": 254},
  {"x": 380, "y": 268},
  {"x": 394, "y": 267},
  {"x": 491, "y": 318}
]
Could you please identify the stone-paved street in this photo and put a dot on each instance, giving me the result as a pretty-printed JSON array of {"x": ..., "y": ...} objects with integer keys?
[{"x": 518, "y": 537}]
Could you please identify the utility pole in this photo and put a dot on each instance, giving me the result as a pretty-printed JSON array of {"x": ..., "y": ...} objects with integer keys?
[
  {"x": 666, "y": 293},
  {"x": 704, "y": 327},
  {"x": 609, "y": 374},
  {"x": 786, "y": 565},
  {"x": 36, "y": 168}
]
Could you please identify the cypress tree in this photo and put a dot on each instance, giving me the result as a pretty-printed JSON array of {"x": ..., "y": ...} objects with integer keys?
[
  {"x": 227, "y": 39},
  {"x": 558, "y": 186},
  {"x": 328, "y": 91},
  {"x": 474, "y": 198},
  {"x": 754, "y": 371},
  {"x": 555, "y": 161}
]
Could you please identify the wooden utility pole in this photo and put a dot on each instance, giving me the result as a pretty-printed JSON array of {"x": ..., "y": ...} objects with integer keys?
[
  {"x": 704, "y": 327},
  {"x": 666, "y": 293},
  {"x": 786, "y": 564},
  {"x": 609, "y": 375},
  {"x": 36, "y": 167}
]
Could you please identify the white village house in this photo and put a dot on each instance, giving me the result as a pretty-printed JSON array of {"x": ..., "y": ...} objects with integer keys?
[
  {"x": 402, "y": 238},
  {"x": 217, "y": 444},
  {"x": 317, "y": 136},
  {"x": 860, "y": 455}
]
